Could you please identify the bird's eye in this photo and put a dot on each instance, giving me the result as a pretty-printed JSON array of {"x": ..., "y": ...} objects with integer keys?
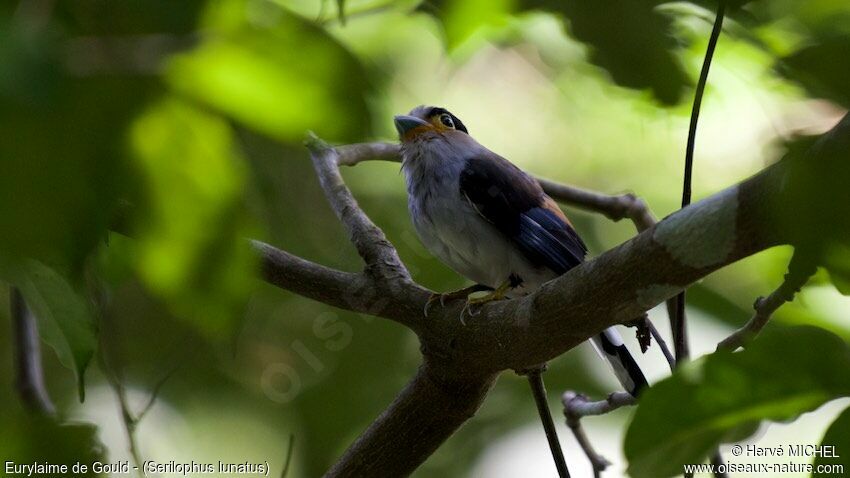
[{"x": 447, "y": 120}]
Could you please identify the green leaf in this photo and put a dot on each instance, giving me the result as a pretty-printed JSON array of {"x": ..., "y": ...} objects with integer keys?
[
  {"x": 838, "y": 437},
  {"x": 631, "y": 40},
  {"x": 190, "y": 245},
  {"x": 816, "y": 191},
  {"x": 731, "y": 5},
  {"x": 61, "y": 150},
  {"x": 63, "y": 316},
  {"x": 462, "y": 19},
  {"x": 815, "y": 19},
  {"x": 837, "y": 262},
  {"x": 820, "y": 69},
  {"x": 340, "y": 5},
  {"x": 118, "y": 18},
  {"x": 29, "y": 438},
  {"x": 724, "y": 397},
  {"x": 281, "y": 75}
]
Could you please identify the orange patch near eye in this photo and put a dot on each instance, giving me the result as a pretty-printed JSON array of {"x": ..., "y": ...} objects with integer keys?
[
  {"x": 438, "y": 125},
  {"x": 413, "y": 133}
]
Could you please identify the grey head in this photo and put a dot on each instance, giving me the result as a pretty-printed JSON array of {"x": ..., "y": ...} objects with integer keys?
[{"x": 427, "y": 120}]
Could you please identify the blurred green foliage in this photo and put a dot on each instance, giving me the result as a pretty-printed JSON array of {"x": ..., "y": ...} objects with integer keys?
[
  {"x": 28, "y": 440},
  {"x": 837, "y": 437},
  {"x": 729, "y": 394},
  {"x": 629, "y": 39},
  {"x": 64, "y": 318},
  {"x": 143, "y": 142},
  {"x": 275, "y": 72},
  {"x": 191, "y": 248},
  {"x": 817, "y": 165},
  {"x": 813, "y": 67},
  {"x": 62, "y": 163}
]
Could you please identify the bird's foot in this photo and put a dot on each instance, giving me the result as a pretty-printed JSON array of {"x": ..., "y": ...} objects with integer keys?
[
  {"x": 453, "y": 295},
  {"x": 474, "y": 304}
]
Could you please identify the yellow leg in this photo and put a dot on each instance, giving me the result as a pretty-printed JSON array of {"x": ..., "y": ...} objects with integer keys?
[
  {"x": 453, "y": 295},
  {"x": 498, "y": 294}
]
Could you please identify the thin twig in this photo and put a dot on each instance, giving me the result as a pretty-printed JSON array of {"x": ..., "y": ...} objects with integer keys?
[
  {"x": 678, "y": 325},
  {"x": 128, "y": 420},
  {"x": 155, "y": 391},
  {"x": 576, "y": 406},
  {"x": 29, "y": 377},
  {"x": 115, "y": 377},
  {"x": 717, "y": 461},
  {"x": 617, "y": 207},
  {"x": 354, "y": 154},
  {"x": 288, "y": 460},
  {"x": 659, "y": 339},
  {"x": 538, "y": 390},
  {"x": 598, "y": 462},
  {"x": 799, "y": 271},
  {"x": 679, "y": 321},
  {"x": 381, "y": 258}
]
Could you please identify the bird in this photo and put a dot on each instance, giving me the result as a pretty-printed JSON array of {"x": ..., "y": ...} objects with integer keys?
[{"x": 490, "y": 222}]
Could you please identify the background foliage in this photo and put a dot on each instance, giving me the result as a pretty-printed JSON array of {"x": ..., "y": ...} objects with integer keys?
[{"x": 141, "y": 142}]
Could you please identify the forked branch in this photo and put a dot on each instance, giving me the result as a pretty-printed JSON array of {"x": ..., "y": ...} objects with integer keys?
[
  {"x": 462, "y": 360},
  {"x": 800, "y": 270},
  {"x": 380, "y": 256},
  {"x": 577, "y": 406}
]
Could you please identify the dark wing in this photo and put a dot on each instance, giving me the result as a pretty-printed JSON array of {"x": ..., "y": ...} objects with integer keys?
[{"x": 516, "y": 205}]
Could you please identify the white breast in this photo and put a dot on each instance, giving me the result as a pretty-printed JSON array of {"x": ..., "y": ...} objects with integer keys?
[{"x": 452, "y": 230}]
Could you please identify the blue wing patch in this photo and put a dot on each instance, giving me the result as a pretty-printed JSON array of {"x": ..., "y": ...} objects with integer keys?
[
  {"x": 545, "y": 239},
  {"x": 515, "y": 204}
]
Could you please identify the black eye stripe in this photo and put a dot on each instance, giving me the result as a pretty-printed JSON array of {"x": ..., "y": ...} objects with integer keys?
[{"x": 456, "y": 122}]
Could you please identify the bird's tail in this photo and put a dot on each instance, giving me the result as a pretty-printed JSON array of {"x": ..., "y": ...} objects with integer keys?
[{"x": 610, "y": 346}]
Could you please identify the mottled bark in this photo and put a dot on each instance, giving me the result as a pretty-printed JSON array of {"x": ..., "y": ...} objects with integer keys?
[{"x": 462, "y": 360}]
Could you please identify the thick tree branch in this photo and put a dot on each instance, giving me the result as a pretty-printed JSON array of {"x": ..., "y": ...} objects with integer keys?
[
  {"x": 426, "y": 413},
  {"x": 29, "y": 379},
  {"x": 357, "y": 292},
  {"x": 306, "y": 278},
  {"x": 462, "y": 360},
  {"x": 614, "y": 207},
  {"x": 620, "y": 284}
]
